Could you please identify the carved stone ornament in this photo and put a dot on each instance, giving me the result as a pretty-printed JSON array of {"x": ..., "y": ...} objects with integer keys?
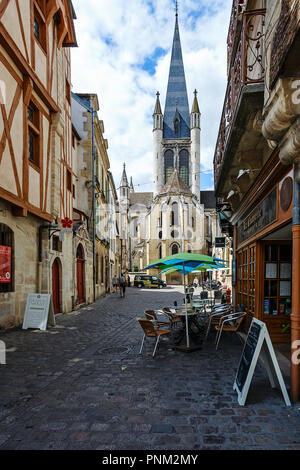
[{"x": 82, "y": 232}]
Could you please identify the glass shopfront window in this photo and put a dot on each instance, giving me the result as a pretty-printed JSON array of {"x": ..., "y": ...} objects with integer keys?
[
  {"x": 277, "y": 279},
  {"x": 246, "y": 266}
]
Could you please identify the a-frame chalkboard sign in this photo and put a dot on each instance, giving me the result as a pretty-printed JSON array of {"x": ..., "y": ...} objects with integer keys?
[
  {"x": 39, "y": 312},
  {"x": 258, "y": 346}
]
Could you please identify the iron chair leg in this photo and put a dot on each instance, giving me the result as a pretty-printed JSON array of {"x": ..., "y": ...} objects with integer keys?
[
  {"x": 219, "y": 336},
  {"x": 155, "y": 346},
  {"x": 207, "y": 331},
  {"x": 142, "y": 344}
]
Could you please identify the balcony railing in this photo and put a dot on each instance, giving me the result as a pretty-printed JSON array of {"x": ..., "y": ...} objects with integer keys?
[
  {"x": 247, "y": 67},
  {"x": 286, "y": 30},
  {"x": 236, "y": 15}
]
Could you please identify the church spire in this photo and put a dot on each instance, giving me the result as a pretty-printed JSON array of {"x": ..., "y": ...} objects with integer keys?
[
  {"x": 195, "y": 108},
  {"x": 176, "y": 92},
  {"x": 124, "y": 180}
]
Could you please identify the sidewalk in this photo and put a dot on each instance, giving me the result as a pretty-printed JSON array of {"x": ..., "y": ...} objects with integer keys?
[{"x": 82, "y": 385}]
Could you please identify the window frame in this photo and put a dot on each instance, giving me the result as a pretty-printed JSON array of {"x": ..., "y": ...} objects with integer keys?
[
  {"x": 39, "y": 10},
  {"x": 33, "y": 130}
]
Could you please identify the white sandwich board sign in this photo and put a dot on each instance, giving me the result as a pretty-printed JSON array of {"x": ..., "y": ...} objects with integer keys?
[
  {"x": 258, "y": 347},
  {"x": 39, "y": 312}
]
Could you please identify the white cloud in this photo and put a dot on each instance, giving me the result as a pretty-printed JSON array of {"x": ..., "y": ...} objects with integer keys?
[{"x": 115, "y": 38}]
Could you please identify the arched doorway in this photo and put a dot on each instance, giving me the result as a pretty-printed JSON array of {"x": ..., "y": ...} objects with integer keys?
[
  {"x": 56, "y": 286},
  {"x": 80, "y": 274}
]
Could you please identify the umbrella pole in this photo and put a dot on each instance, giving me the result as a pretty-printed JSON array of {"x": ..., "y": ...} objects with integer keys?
[{"x": 186, "y": 314}]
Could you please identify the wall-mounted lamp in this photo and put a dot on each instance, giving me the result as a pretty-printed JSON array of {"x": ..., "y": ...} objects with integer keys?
[
  {"x": 245, "y": 172},
  {"x": 231, "y": 194}
]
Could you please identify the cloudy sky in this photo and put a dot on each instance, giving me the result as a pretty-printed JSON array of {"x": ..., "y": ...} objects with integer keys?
[{"x": 124, "y": 56}]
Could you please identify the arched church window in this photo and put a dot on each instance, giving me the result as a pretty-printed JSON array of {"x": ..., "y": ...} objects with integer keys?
[
  {"x": 176, "y": 126},
  {"x": 184, "y": 165},
  {"x": 159, "y": 252},
  {"x": 6, "y": 259},
  {"x": 174, "y": 249},
  {"x": 174, "y": 214},
  {"x": 169, "y": 164}
]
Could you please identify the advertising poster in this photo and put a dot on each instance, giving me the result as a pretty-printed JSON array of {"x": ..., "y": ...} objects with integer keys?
[{"x": 5, "y": 264}]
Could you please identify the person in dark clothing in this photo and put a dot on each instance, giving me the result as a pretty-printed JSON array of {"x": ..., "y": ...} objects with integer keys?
[{"x": 122, "y": 285}]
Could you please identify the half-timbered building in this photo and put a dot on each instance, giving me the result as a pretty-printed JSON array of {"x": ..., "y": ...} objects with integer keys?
[{"x": 36, "y": 164}]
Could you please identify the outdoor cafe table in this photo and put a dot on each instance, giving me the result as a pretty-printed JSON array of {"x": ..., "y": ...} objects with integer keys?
[
  {"x": 200, "y": 303},
  {"x": 192, "y": 321}
]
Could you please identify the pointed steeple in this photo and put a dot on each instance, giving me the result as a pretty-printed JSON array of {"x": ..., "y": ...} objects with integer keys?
[
  {"x": 131, "y": 185},
  {"x": 176, "y": 92},
  {"x": 195, "y": 108},
  {"x": 157, "y": 109},
  {"x": 157, "y": 115},
  {"x": 124, "y": 180}
]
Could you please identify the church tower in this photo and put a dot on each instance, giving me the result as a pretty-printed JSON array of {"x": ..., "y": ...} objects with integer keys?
[{"x": 177, "y": 131}]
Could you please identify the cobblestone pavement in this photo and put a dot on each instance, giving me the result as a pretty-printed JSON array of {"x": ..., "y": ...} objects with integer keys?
[{"x": 82, "y": 385}]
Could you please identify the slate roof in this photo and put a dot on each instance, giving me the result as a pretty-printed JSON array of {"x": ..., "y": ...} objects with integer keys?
[
  {"x": 208, "y": 198},
  {"x": 144, "y": 199},
  {"x": 176, "y": 94},
  {"x": 175, "y": 184}
]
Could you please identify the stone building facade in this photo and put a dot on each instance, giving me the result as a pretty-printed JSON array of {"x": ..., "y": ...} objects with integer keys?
[
  {"x": 100, "y": 200},
  {"x": 257, "y": 166}
]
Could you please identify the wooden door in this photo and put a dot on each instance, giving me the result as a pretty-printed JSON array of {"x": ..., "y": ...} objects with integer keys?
[
  {"x": 56, "y": 286},
  {"x": 80, "y": 285},
  {"x": 80, "y": 275}
]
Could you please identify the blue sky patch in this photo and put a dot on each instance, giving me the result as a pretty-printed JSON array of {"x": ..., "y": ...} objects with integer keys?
[
  {"x": 206, "y": 181},
  {"x": 150, "y": 62}
]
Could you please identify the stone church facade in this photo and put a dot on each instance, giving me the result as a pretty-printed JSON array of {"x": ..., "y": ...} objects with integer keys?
[{"x": 172, "y": 219}]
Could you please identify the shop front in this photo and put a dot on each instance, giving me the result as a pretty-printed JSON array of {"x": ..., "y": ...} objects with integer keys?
[{"x": 264, "y": 252}]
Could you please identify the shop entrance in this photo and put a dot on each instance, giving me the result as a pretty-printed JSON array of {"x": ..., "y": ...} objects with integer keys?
[
  {"x": 80, "y": 274},
  {"x": 277, "y": 288},
  {"x": 56, "y": 286},
  {"x": 264, "y": 282}
]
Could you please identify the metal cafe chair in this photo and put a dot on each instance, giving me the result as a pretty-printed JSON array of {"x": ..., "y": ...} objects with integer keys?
[
  {"x": 151, "y": 332},
  {"x": 231, "y": 322},
  {"x": 151, "y": 315},
  {"x": 215, "y": 316},
  {"x": 174, "y": 319}
]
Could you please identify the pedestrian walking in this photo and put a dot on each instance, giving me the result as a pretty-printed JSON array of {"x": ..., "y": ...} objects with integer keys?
[
  {"x": 195, "y": 283},
  {"x": 122, "y": 284},
  {"x": 115, "y": 283}
]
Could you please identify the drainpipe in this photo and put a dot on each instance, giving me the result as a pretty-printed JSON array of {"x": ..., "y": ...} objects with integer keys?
[
  {"x": 295, "y": 316},
  {"x": 93, "y": 206}
]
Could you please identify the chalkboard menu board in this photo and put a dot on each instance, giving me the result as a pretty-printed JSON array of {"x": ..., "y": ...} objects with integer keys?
[
  {"x": 258, "y": 345},
  {"x": 248, "y": 354}
]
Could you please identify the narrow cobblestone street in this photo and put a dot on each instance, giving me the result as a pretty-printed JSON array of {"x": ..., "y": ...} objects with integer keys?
[{"x": 82, "y": 385}]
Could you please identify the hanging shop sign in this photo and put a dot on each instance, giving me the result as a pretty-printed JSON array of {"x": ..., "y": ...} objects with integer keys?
[
  {"x": 5, "y": 264},
  {"x": 220, "y": 242},
  {"x": 258, "y": 347},
  {"x": 39, "y": 312},
  {"x": 260, "y": 218}
]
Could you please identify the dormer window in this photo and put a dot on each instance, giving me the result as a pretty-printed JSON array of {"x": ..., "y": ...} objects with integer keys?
[{"x": 176, "y": 126}]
